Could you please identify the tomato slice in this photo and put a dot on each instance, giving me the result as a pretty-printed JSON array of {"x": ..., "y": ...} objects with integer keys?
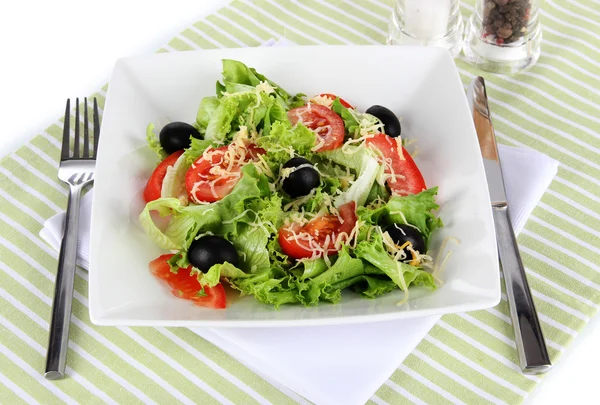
[
  {"x": 296, "y": 241},
  {"x": 183, "y": 285},
  {"x": 406, "y": 177},
  {"x": 333, "y": 97},
  {"x": 154, "y": 185},
  {"x": 212, "y": 178},
  {"x": 327, "y": 125}
]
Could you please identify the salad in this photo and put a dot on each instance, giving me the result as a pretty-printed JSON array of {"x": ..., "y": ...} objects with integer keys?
[{"x": 286, "y": 198}]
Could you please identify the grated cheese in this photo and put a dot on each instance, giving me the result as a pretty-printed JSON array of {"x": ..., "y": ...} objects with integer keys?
[
  {"x": 184, "y": 199},
  {"x": 369, "y": 232},
  {"x": 399, "y": 146},
  {"x": 263, "y": 166},
  {"x": 207, "y": 233},
  {"x": 403, "y": 217},
  {"x": 319, "y": 144},
  {"x": 438, "y": 269},
  {"x": 322, "y": 100},
  {"x": 300, "y": 201},
  {"x": 265, "y": 87},
  {"x": 349, "y": 142},
  {"x": 392, "y": 247}
]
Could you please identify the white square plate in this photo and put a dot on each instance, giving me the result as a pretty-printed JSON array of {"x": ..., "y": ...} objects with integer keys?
[{"x": 421, "y": 85}]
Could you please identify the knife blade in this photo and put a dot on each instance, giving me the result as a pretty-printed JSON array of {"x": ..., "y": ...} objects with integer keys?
[{"x": 529, "y": 339}]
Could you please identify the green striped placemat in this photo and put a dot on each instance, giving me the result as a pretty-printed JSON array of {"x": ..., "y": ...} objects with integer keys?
[{"x": 466, "y": 358}]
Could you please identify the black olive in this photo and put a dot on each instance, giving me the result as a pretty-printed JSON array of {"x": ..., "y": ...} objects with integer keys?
[
  {"x": 210, "y": 250},
  {"x": 301, "y": 181},
  {"x": 402, "y": 233},
  {"x": 176, "y": 136},
  {"x": 391, "y": 124}
]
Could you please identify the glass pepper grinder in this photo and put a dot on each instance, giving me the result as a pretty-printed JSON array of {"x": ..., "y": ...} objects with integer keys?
[
  {"x": 503, "y": 36},
  {"x": 427, "y": 22}
]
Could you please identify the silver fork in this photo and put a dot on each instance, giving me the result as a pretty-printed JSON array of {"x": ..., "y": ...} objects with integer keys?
[{"x": 78, "y": 172}]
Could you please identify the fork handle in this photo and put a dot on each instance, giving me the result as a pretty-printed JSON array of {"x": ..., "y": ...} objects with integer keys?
[
  {"x": 63, "y": 294},
  {"x": 533, "y": 355}
]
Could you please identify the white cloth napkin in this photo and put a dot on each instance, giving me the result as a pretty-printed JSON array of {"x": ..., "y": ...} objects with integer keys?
[{"x": 340, "y": 364}]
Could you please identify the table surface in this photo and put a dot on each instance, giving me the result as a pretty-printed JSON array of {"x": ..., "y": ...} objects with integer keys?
[{"x": 50, "y": 62}]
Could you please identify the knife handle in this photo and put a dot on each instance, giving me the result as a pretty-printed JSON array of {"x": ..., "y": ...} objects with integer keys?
[{"x": 533, "y": 355}]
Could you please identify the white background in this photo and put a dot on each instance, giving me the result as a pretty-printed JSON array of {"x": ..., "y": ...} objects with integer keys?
[{"x": 53, "y": 50}]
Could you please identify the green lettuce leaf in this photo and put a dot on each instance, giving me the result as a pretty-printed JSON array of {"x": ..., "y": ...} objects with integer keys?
[
  {"x": 184, "y": 221},
  {"x": 378, "y": 191},
  {"x": 237, "y": 72},
  {"x": 317, "y": 201},
  {"x": 418, "y": 210},
  {"x": 220, "y": 89},
  {"x": 351, "y": 157},
  {"x": 359, "y": 191},
  {"x": 282, "y": 135},
  {"x": 208, "y": 105},
  {"x": 277, "y": 287},
  {"x": 249, "y": 107},
  {"x": 178, "y": 230},
  {"x": 213, "y": 276},
  {"x": 251, "y": 245},
  {"x": 231, "y": 106},
  {"x": 269, "y": 212},
  {"x": 313, "y": 268},
  {"x": 251, "y": 186},
  {"x": 154, "y": 143},
  {"x": 281, "y": 138},
  {"x": 278, "y": 112},
  {"x": 350, "y": 123},
  {"x": 163, "y": 206},
  {"x": 402, "y": 274},
  {"x": 272, "y": 286},
  {"x": 245, "y": 98},
  {"x": 372, "y": 287},
  {"x": 279, "y": 260},
  {"x": 329, "y": 284},
  {"x": 196, "y": 149},
  {"x": 174, "y": 180}
]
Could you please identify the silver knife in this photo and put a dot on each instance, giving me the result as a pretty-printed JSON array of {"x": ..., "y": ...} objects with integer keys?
[{"x": 533, "y": 355}]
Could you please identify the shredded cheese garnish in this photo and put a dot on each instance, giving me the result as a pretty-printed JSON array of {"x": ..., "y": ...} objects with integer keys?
[
  {"x": 398, "y": 253},
  {"x": 300, "y": 201},
  {"x": 265, "y": 87},
  {"x": 322, "y": 100},
  {"x": 262, "y": 165},
  {"x": 207, "y": 233},
  {"x": 438, "y": 268},
  {"x": 319, "y": 144},
  {"x": 403, "y": 217},
  {"x": 346, "y": 146}
]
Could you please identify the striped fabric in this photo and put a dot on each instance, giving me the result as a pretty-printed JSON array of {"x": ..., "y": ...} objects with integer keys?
[{"x": 466, "y": 358}]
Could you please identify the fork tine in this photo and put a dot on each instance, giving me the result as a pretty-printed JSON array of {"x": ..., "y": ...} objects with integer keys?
[
  {"x": 64, "y": 153},
  {"x": 86, "y": 132},
  {"x": 76, "y": 146},
  {"x": 96, "y": 127}
]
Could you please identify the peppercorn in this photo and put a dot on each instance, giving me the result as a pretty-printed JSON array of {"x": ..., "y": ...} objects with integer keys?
[{"x": 505, "y": 21}]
